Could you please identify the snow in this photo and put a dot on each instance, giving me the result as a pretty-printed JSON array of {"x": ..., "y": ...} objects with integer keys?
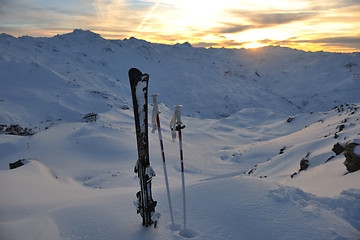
[{"x": 250, "y": 116}]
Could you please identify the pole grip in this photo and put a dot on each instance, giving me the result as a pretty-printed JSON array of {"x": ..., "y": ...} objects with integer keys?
[
  {"x": 178, "y": 114},
  {"x": 155, "y": 103}
]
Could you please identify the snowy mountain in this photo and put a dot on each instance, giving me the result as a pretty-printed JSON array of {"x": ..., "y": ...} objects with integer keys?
[{"x": 251, "y": 116}]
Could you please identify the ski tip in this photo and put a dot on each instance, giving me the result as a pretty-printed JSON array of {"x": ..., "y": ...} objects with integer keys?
[
  {"x": 135, "y": 70},
  {"x": 134, "y": 73}
]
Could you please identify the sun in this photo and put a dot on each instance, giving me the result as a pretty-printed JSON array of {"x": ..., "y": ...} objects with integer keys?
[{"x": 253, "y": 45}]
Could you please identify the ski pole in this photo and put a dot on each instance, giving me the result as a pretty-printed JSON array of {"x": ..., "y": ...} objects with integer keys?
[
  {"x": 176, "y": 125},
  {"x": 156, "y": 126}
]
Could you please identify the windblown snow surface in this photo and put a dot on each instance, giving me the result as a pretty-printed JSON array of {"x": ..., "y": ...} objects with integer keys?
[{"x": 250, "y": 116}]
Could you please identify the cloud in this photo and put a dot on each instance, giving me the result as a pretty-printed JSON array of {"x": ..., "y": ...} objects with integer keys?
[
  {"x": 126, "y": 16},
  {"x": 148, "y": 15},
  {"x": 338, "y": 40},
  {"x": 266, "y": 19},
  {"x": 232, "y": 28},
  {"x": 349, "y": 41},
  {"x": 333, "y": 4},
  {"x": 270, "y": 17},
  {"x": 205, "y": 44},
  {"x": 223, "y": 43},
  {"x": 43, "y": 18},
  {"x": 261, "y": 20},
  {"x": 348, "y": 3}
]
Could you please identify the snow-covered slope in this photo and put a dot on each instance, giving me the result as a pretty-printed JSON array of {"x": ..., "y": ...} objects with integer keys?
[
  {"x": 242, "y": 108},
  {"x": 84, "y": 66}
]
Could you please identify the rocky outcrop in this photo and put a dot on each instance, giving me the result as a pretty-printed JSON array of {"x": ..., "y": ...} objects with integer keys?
[
  {"x": 15, "y": 129},
  {"x": 352, "y": 155}
]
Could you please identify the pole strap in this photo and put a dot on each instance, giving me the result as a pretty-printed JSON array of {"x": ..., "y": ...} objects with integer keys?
[
  {"x": 176, "y": 122},
  {"x": 173, "y": 127}
]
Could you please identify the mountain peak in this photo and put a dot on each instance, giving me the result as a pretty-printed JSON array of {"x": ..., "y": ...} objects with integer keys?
[
  {"x": 185, "y": 45},
  {"x": 80, "y": 34}
]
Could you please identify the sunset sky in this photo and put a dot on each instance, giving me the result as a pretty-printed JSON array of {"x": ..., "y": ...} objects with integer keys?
[{"x": 311, "y": 25}]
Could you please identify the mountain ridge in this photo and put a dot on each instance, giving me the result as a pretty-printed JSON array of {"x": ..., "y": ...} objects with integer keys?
[{"x": 271, "y": 72}]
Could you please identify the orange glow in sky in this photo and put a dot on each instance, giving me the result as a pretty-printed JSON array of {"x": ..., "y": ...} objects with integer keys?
[{"x": 311, "y": 25}]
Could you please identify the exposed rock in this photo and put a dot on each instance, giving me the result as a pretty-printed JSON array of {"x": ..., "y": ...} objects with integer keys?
[
  {"x": 282, "y": 150},
  {"x": 16, "y": 164},
  {"x": 16, "y": 129},
  {"x": 304, "y": 164},
  {"x": 290, "y": 119},
  {"x": 251, "y": 171},
  {"x": 352, "y": 155},
  {"x": 338, "y": 148},
  {"x": 341, "y": 127},
  {"x": 90, "y": 117}
]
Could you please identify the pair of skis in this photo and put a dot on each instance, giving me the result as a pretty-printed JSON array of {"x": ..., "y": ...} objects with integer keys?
[{"x": 145, "y": 204}]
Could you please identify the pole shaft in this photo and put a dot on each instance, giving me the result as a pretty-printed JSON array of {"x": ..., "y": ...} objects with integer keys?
[
  {"x": 164, "y": 166},
  {"x": 182, "y": 173}
]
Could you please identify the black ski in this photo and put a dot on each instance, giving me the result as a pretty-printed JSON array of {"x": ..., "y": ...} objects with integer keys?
[{"x": 145, "y": 204}]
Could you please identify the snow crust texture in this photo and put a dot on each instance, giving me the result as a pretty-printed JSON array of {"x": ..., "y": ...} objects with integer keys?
[{"x": 251, "y": 117}]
